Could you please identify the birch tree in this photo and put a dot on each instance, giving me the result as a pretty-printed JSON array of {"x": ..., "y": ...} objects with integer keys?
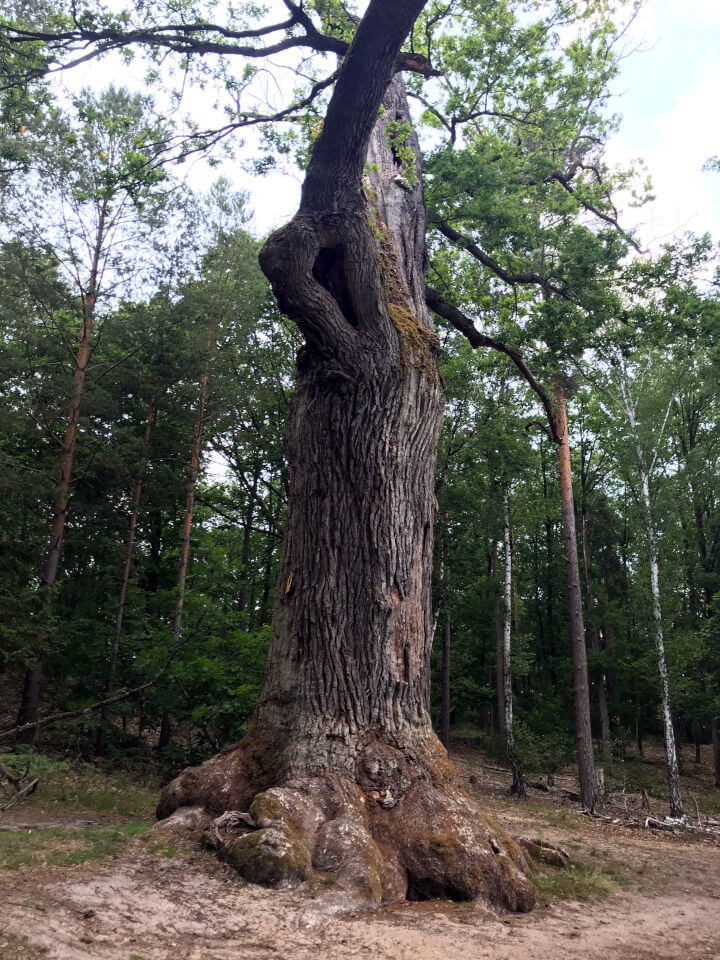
[{"x": 646, "y": 457}]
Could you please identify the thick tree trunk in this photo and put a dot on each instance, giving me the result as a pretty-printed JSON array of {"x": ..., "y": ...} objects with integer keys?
[
  {"x": 581, "y": 686},
  {"x": 32, "y": 685},
  {"x": 341, "y": 769},
  {"x": 550, "y": 564},
  {"x": 165, "y": 735},
  {"x": 30, "y": 700}
]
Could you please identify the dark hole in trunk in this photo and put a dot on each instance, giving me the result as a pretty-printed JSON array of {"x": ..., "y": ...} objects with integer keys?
[{"x": 329, "y": 271}]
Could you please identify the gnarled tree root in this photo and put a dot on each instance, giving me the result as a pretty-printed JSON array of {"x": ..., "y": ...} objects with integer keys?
[{"x": 394, "y": 832}]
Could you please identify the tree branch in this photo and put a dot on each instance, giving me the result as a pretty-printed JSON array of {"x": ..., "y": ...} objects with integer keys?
[
  {"x": 199, "y": 38},
  {"x": 464, "y": 325},
  {"x": 72, "y": 714},
  {"x": 510, "y": 277}
]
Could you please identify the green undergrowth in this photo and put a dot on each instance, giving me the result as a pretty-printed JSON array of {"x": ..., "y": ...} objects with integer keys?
[
  {"x": 57, "y": 847},
  {"x": 635, "y": 774},
  {"x": 83, "y": 787},
  {"x": 577, "y": 881}
]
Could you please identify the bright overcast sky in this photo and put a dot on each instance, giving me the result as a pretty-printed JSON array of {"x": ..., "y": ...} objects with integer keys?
[{"x": 667, "y": 94}]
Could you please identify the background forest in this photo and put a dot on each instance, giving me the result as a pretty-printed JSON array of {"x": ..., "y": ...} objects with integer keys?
[{"x": 146, "y": 374}]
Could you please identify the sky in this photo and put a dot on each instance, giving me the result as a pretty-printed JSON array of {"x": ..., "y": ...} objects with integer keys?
[{"x": 668, "y": 94}]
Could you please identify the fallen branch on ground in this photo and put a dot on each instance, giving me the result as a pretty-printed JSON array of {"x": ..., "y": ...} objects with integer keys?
[
  {"x": 73, "y": 714},
  {"x": 20, "y": 795}
]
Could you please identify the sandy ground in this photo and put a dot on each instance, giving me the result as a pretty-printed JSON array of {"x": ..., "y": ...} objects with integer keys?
[
  {"x": 162, "y": 898},
  {"x": 143, "y": 905}
]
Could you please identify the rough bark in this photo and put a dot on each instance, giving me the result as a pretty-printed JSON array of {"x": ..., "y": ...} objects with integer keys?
[
  {"x": 341, "y": 772},
  {"x": 581, "y": 687}
]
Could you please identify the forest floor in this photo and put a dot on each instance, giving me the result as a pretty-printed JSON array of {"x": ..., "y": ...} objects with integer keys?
[{"x": 86, "y": 875}]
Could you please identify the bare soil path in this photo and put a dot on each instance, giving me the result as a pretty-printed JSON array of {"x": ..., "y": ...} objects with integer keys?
[{"x": 160, "y": 897}]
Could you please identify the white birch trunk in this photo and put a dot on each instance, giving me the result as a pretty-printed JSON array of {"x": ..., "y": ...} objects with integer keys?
[
  {"x": 675, "y": 795},
  {"x": 507, "y": 624},
  {"x": 518, "y": 784}
]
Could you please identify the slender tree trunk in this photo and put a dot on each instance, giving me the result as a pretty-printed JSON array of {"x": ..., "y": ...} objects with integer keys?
[
  {"x": 601, "y": 685},
  {"x": 638, "y": 733},
  {"x": 341, "y": 756},
  {"x": 716, "y": 749},
  {"x": 245, "y": 551},
  {"x": 165, "y": 735},
  {"x": 130, "y": 543},
  {"x": 518, "y": 785},
  {"x": 32, "y": 685},
  {"x": 675, "y": 794},
  {"x": 499, "y": 641},
  {"x": 445, "y": 684},
  {"x": 101, "y": 741},
  {"x": 581, "y": 686},
  {"x": 549, "y": 582},
  {"x": 190, "y": 490},
  {"x": 166, "y": 721}
]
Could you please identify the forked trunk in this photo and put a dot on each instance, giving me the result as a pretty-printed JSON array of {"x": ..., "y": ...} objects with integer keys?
[
  {"x": 581, "y": 687},
  {"x": 341, "y": 771}
]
